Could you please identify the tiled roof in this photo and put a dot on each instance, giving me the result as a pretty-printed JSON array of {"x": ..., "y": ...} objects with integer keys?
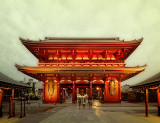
[
  {"x": 126, "y": 89},
  {"x": 7, "y": 80},
  {"x": 153, "y": 79}
]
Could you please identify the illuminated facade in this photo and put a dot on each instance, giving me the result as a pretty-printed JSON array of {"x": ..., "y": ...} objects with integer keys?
[{"x": 81, "y": 63}]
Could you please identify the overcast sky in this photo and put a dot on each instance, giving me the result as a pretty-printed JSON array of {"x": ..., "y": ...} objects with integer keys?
[{"x": 35, "y": 19}]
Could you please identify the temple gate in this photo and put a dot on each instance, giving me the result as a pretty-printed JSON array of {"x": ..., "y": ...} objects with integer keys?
[{"x": 81, "y": 63}]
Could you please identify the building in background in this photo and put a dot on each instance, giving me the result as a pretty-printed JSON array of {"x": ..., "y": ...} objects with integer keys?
[
  {"x": 130, "y": 95},
  {"x": 10, "y": 88},
  {"x": 36, "y": 89},
  {"x": 151, "y": 89}
]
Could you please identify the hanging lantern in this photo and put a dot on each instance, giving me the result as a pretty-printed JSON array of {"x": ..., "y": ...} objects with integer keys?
[
  {"x": 112, "y": 87},
  {"x": 50, "y": 88}
]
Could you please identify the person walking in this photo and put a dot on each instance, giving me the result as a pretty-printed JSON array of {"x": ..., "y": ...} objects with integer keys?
[
  {"x": 90, "y": 103},
  {"x": 84, "y": 103},
  {"x": 79, "y": 101}
]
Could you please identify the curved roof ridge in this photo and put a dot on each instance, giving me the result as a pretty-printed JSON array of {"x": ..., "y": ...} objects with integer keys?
[{"x": 81, "y": 39}]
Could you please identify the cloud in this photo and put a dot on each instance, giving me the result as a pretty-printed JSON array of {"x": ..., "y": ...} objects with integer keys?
[{"x": 36, "y": 19}]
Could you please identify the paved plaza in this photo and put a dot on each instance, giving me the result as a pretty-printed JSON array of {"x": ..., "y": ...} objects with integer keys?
[{"x": 100, "y": 113}]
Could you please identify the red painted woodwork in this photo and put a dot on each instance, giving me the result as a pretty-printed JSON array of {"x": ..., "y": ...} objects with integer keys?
[
  {"x": 158, "y": 101},
  {"x": 146, "y": 102},
  {"x": 90, "y": 91},
  {"x": 73, "y": 92},
  {"x": 43, "y": 91},
  {"x": 1, "y": 97},
  {"x": 13, "y": 101},
  {"x": 81, "y": 63},
  {"x": 61, "y": 94},
  {"x": 58, "y": 91},
  {"x": 119, "y": 91},
  {"x": 158, "y": 97}
]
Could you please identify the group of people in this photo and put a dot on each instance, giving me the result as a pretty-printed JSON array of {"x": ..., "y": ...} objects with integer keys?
[{"x": 83, "y": 101}]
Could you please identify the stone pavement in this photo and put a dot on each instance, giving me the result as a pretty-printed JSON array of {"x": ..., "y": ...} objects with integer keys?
[{"x": 100, "y": 113}]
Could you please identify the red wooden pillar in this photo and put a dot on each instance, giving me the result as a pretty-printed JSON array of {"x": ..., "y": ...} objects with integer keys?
[
  {"x": 158, "y": 101},
  {"x": 73, "y": 91},
  {"x": 1, "y": 96},
  {"x": 61, "y": 94},
  {"x": 105, "y": 91},
  {"x": 58, "y": 91},
  {"x": 13, "y": 108},
  {"x": 44, "y": 91},
  {"x": 146, "y": 102},
  {"x": 119, "y": 90},
  {"x": 12, "y": 93},
  {"x": 90, "y": 90}
]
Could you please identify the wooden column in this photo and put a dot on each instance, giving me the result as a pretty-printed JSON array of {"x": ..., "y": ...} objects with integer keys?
[
  {"x": 90, "y": 90},
  {"x": 13, "y": 93},
  {"x": 146, "y": 102},
  {"x": 158, "y": 101},
  {"x": 13, "y": 108},
  {"x": 44, "y": 92},
  {"x": 61, "y": 95},
  {"x": 1, "y": 96},
  {"x": 58, "y": 90},
  {"x": 119, "y": 91},
  {"x": 73, "y": 91},
  {"x": 105, "y": 91}
]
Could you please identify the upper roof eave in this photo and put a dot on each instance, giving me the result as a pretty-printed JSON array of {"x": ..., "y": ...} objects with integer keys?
[
  {"x": 80, "y": 40},
  {"x": 81, "y": 43}
]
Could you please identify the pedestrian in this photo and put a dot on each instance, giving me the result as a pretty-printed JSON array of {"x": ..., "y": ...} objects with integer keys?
[
  {"x": 27, "y": 98},
  {"x": 84, "y": 103},
  {"x": 54, "y": 104},
  {"x": 90, "y": 103},
  {"x": 79, "y": 102}
]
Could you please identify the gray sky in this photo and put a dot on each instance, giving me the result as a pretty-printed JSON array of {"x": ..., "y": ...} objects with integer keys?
[{"x": 35, "y": 19}]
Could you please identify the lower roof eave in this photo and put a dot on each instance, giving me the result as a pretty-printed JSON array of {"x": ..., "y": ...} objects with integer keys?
[{"x": 39, "y": 72}]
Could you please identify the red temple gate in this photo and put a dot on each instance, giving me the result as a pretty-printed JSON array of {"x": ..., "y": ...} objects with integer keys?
[{"x": 81, "y": 63}]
